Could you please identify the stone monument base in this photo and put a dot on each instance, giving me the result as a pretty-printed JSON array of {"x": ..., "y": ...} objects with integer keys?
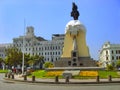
[{"x": 79, "y": 62}]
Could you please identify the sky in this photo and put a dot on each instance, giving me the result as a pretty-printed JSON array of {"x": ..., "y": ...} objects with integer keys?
[{"x": 100, "y": 17}]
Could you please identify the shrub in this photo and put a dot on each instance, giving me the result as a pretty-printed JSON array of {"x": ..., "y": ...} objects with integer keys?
[
  {"x": 48, "y": 65},
  {"x": 110, "y": 67}
]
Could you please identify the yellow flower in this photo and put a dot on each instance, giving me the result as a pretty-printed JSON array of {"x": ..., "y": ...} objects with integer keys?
[
  {"x": 54, "y": 73},
  {"x": 88, "y": 73}
]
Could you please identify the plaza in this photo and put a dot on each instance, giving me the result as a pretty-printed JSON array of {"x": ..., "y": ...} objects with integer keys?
[
  {"x": 70, "y": 55},
  {"x": 13, "y": 85}
]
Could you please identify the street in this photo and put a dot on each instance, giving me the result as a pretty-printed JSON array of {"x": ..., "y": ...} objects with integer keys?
[{"x": 11, "y": 85}]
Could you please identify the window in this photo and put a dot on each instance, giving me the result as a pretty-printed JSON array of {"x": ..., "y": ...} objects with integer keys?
[
  {"x": 50, "y": 53},
  {"x": 112, "y": 57},
  {"x": 39, "y": 48},
  {"x": 69, "y": 63},
  {"x": 112, "y": 52},
  {"x": 74, "y": 54},
  {"x": 106, "y": 52},
  {"x": 51, "y": 47},
  {"x": 116, "y": 57},
  {"x": 81, "y": 64},
  {"x": 59, "y": 53},
  {"x": 119, "y": 51},
  {"x": 26, "y": 49},
  {"x": 106, "y": 58},
  {"x": 116, "y": 52},
  {"x": 74, "y": 60}
]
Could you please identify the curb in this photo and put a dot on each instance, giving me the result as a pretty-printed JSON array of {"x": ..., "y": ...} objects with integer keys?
[{"x": 44, "y": 82}]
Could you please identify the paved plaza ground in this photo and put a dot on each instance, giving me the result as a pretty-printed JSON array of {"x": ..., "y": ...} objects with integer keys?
[{"x": 13, "y": 85}]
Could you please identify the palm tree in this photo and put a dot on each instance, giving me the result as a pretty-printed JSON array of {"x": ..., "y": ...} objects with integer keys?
[{"x": 35, "y": 60}]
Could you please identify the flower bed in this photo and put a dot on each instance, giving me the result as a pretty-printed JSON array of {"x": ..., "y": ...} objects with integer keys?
[
  {"x": 54, "y": 73},
  {"x": 88, "y": 73}
]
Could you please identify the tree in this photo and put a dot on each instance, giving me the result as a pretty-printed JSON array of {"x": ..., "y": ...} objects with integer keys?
[
  {"x": 35, "y": 60},
  {"x": 48, "y": 65},
  {"x": 118, "y": 64},
  {"x": 13, "y": 56},
  {"x": 110, "y": 67}
]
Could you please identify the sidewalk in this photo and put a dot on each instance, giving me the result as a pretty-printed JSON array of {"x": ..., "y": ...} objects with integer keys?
[{"x": 63, "y": 81}]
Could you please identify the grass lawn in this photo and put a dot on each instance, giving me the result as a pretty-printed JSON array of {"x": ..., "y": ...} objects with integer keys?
[
  {"x": 3, "y": 71},
  {"x": 105, "y": 74},
  {"x": 39, "y": 74},
  {"x": 102, "y": 74}
]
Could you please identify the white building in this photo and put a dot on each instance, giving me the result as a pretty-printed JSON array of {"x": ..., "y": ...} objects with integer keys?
[
  {"x": 2, "y": 49},
  {"x": 50, "y": 49},
  {"x": 109, "y": 54}
]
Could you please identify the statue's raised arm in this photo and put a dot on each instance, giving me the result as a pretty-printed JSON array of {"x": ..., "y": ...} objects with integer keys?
[{"x": 74, "y": 13}]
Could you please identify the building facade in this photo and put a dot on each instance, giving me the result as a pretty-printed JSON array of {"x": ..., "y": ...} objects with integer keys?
[
  {"x": 30, "y": 44},
  {"x": 109, "y": 54}
]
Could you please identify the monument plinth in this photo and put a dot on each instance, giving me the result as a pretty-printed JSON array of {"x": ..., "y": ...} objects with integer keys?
[{"x": 75, "y": 50}]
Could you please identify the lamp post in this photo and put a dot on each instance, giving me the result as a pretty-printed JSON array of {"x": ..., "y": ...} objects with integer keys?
[{"x": 23, "y": 50}]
